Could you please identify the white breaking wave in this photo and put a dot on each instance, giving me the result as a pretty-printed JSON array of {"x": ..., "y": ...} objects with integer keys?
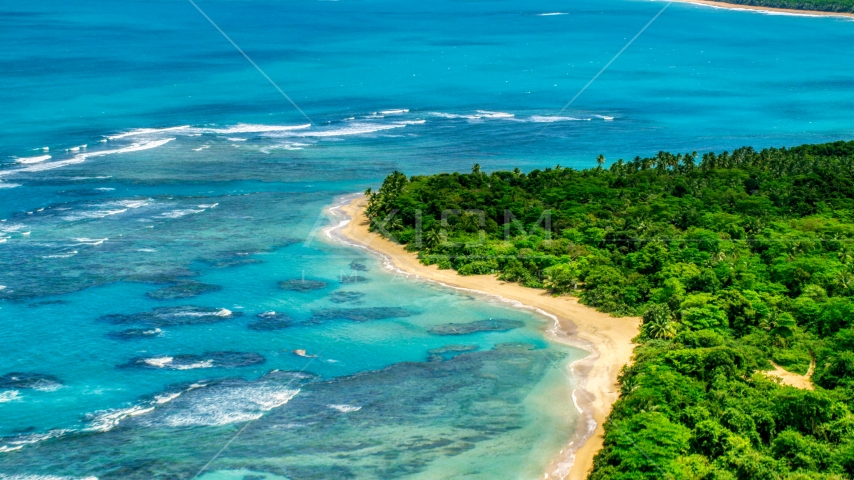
[
  {"x": 251, "y": 128},
  {"x": 212, "y": 205},
  {"x": 29, "y": 160},
  {"x": 90, "y": 241},
  {"x": 604, "y": 117},
  {"x": 106, "y": 420},
  {"x": 147, "y": 131},
  {"x": 394, "y": 111},
  {"x": 481, "y": 114},
  {"x": 61, "y": 255},
  {"x": 344, "y": 408},
  {"x": 232, "y": 405},
  {"x": 166, "y": 362},
  {"x": 180, "y": 213},
  {"x": 10, "y": 395},
  {"x": 236, "y": 139},
  {"x": 9, "y": 185},
  {"x": 80, "y": 158},
  {"x": 551, "y": 14},
  {"x": 547, "y": 119},
  {"x": 351, "y": 129},
  {"x": 2, "y": 287}
]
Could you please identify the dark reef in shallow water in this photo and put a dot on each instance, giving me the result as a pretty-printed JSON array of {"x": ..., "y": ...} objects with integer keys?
[
  {"x": 439, "y": 408},
  {"x": 448, "y": 352},
  {"x": 358, "y": 266},
  {"x": 301, "y": 285},
  {"x": 491, "y": 325},
  {"x": 135, "y": 334},
  {"x": 269, "y": 321},
  {"x": 351, "y": 279},
  {"x": 205, "y": 360},
  {"x": 183, "y": 290},
  {"x": 37, "y": 381},
  {"x": 346, "y": 297},
  {"x": 173, "y": 316},
  {"x": 359, "y": 314}
]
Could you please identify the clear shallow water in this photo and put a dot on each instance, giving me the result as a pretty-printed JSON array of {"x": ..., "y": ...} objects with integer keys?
[{"x": 135, "y": 268}]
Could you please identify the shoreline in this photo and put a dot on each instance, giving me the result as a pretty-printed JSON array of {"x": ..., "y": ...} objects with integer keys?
[
  {"x": 608, "y": 339},
  {"x": 768, "y": 10}
]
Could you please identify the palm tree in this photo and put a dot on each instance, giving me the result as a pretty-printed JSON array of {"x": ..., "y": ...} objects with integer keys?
[
  {"x": 600, "y": 160},
  {"x": 660, "y": 328},
  {"x": 433, "y": 238}
]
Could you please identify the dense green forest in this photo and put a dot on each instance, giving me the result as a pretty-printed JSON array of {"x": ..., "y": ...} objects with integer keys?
[
  {"x": 846, "y": 6},
  {"x": 734, "y": 261}
]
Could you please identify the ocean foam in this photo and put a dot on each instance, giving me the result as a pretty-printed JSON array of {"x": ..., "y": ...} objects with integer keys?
[
  {"x": 80, "y": 158},
  {"x": 106, "y": 420},
  {"x": 252, "y": 128},
  {"x": 212, "y": 205},
  {"x": 147, "y": 131},
  {"x": 480, "y": 115},
  {"x": 159, "y": 362},
  {"x": 394, "y": 111},
  {"x": 547, "y": 119},
  {"x": 551, "y": 14},
  {"x": 29, "y": 160},
  {"x": 61, "y": 255},
  {"x": 9, "y": 185},
  {"x": 10, "y": 395},
  {"x": 90, "y": 241},
  {"x": 344, "y": 408},
  {"x": 38, "y": 477},
  {"x": 180, "y": 213},
  {"x": 351, "y": 129},
  {"x": 232, "y": 405}
]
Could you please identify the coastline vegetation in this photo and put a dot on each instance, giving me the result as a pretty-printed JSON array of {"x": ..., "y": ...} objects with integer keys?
[
  {"x": 734, "y": 260},
  {"x": 838, "y": 6}
]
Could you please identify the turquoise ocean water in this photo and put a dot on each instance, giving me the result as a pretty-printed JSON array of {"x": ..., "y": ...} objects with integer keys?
[{"x": 160, "y": 268}]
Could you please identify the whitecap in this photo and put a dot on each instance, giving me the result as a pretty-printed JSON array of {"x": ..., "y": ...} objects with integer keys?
[
  {"x": 61, "y": 255},
  {"x": 252, "y": 128},
  {"x": 396, "y": 111},
  {"x": 29, "y": 160},
  {"x": 9, "y": 185},
  {"x": 351, "y": 129},
  {"x": 180, "y": 213},
  {"x": 201, "y": 148},
  {"x": 236, "y": 139},
  {"x": 344, "y": 408},
  {"x": 90, "y": 241},
  {"x": 552, "y": 119},
  {"x": 80, "y": 158},
  {"x": 551, "y": 14},
  {"x": 159, "y": 362},
  {"x": 39, "y": 477},
  {"x": 232, "y": 405},
  {"x": 212, "y": 205},
  {"x": 105, "y": 189},
  {"x": 166, "y": 398},
  {"x": 604, "y": 117},
  {"x": 2, "y": 287},
  {"x": 10, "y": 395},
  {"x": 106, "y": 420},
  {"x": 147, "y": 131}
]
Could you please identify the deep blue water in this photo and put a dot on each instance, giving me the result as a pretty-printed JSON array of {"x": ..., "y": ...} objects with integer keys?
[{"x": 138, "y": 273}]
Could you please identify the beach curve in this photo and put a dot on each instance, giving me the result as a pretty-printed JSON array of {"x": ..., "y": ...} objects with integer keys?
[{"x": 608, "y": 339}]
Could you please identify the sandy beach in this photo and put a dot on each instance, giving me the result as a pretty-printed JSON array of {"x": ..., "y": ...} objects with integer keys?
[
  {"x": 607, "y": 338},
  {"x": 769, "y": 10}
]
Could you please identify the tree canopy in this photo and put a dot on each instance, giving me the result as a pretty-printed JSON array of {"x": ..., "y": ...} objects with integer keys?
[{"x": 734, "y": 260}]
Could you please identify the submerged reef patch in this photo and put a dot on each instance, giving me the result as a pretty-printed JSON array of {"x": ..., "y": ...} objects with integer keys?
[
  {"x": 346, "y": 297},
  {"x": 359, "y": 314},
  {"x": 270, "y": 321},
  {"x": 491, "y": 325},
  {"x": 34, "y": 381},
  {"x": 302, "y": 285},
  {"x": 173, "y": 316},
  {"x": 183, "y": 290},
  {"x": 192, "y": 362}
]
